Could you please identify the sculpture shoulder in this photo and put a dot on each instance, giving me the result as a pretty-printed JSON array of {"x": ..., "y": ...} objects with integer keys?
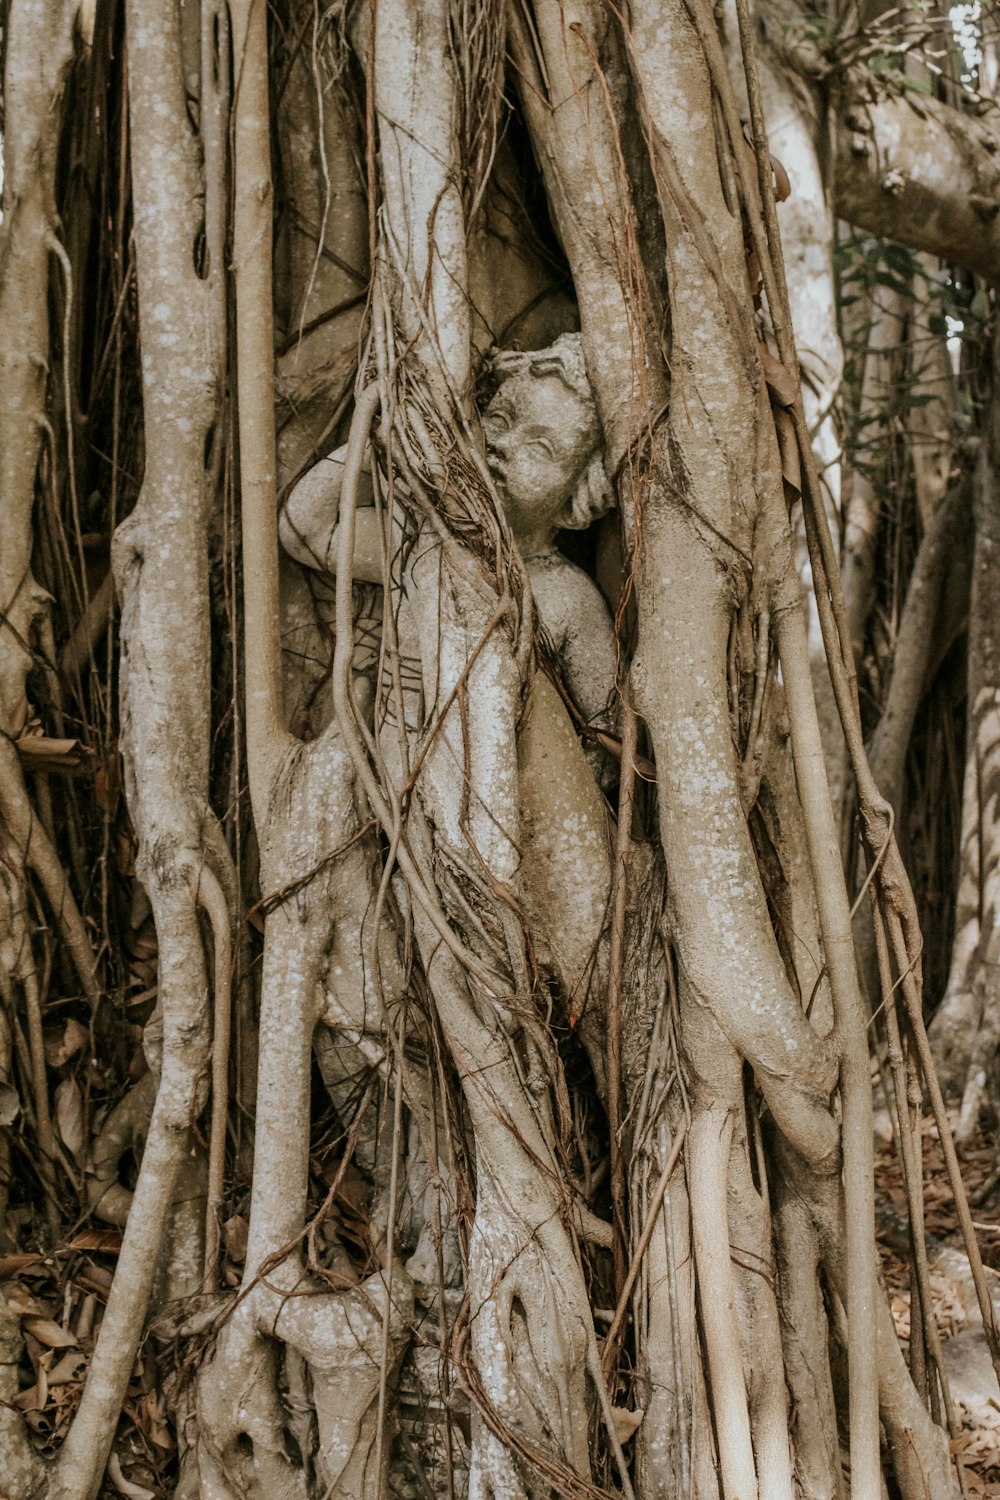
[{"x": 569, "y": 602}]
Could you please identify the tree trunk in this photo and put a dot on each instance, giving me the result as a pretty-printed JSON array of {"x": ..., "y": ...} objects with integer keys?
[
  {"x": 502, "y": 1086},
  {"x": 967, "y": 1026}
]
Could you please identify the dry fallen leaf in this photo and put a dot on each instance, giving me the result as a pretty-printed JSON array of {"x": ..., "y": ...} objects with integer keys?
[
  {"x": 780, "y": 383},
  {"x": 107, "y": 1240},
  {"x": 9, "y": 1264},
  {"x": 125, "y": 1486},
  {"x": 95, "y": 1279},
  {"x": 19, "y": 1299},
  {"x": 70, "y": 1367},
  {"x": 62, "y": 1044},
  {"x": 39, "y": 753},
  {"x": 627, "y": 1422},
  {"x": 152, "y": 1414},
  {"x": 69, "y": 1116},
  {"x": 234, "y": 1234},
  {"x": 782, "y": 185},
  {"x": 10, "y": 1104},
  {"x": 48, "y": 1332}
]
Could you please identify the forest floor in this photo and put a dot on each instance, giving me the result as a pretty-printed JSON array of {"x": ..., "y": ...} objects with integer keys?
[
  {"x": 60, "y": 1299},
  {"x": 973, "y": 1383}
]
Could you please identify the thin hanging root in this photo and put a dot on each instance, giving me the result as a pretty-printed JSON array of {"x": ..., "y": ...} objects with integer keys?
[
  {"x": 619, "y": 900},
  {"x": 599, "y": 1378},
  {"x": 892, "y": 888},
  {"x": 45, "y": 863},
  {"x": 709, "y": 1147},
  {"x": 57, "y": 248},
  {"x": 914, "y": 1012},
  {"x": 213, "y": 902},
  {"x": 390, "y": 1245},
  {"x": 266, "y": 737},
  {"x": 855, "y": 1085},
  {"x": 892, "y": 883},
  {"x": 921, "y": 1291},
  {"x": 29, "y": 835},
  {"x": 652, "y": 1214},
  {"x": 40, "y": 1096}
]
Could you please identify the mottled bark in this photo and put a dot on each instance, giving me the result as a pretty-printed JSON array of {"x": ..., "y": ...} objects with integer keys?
[
  {"x": 912, "y": 169},
  {"x": 967, "y": 1026},
  {"x": 540, "y": 968},
  {"x": 920, "y": 172},
  {"x": 38, "y": 52}
]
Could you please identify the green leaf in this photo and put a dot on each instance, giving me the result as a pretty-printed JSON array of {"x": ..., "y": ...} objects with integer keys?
[
  {"x": 886, "y": 278},
  {"x": 980, "y": 305},
  {"x": 900, "y": 257}
]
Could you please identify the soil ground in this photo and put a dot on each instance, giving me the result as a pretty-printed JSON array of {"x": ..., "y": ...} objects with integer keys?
[{"x": 973, "y": 1383}]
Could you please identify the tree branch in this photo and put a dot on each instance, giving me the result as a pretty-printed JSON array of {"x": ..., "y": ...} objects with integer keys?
[
  {"x": 921, "y": 172},
  {"x": 905, "y": 167}
]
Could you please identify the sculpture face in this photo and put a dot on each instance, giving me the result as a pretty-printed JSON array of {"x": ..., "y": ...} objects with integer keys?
[{"x": 540, "y": 436}]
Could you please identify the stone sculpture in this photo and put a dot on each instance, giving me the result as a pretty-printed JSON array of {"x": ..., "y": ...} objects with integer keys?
[{"x": 544, "y": 451}]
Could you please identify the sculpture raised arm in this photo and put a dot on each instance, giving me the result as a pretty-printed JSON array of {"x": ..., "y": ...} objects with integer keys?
[{"x": 307, "y": 522}]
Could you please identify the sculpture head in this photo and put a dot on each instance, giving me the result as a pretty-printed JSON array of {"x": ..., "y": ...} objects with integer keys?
[{"x": 544, "y": 444}]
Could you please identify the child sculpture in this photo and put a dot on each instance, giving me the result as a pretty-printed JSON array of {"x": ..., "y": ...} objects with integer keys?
[{"x": 544, "y": 453}]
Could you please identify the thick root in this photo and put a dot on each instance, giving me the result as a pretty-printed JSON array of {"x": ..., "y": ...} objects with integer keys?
[
  {"x": 530, "y": 1340},
  {"x": 243, "y": 1442}
]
